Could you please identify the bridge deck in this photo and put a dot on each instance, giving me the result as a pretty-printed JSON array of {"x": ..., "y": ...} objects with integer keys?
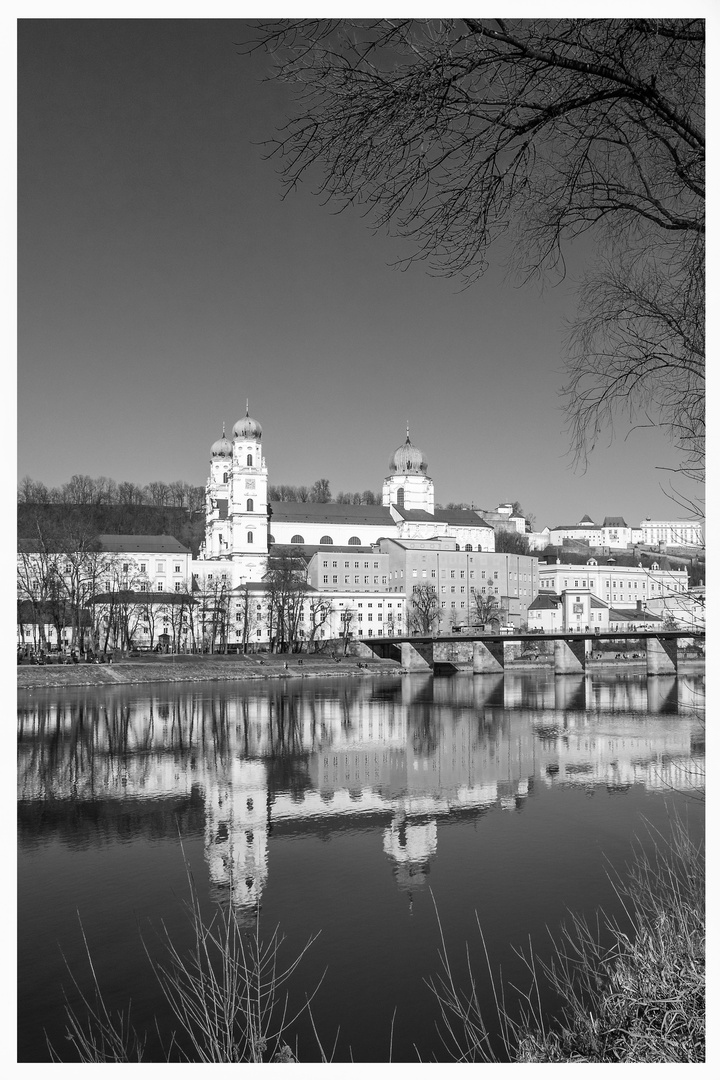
[{"x": 426, "y": 639}]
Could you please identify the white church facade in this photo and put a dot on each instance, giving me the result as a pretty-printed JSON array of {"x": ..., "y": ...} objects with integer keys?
[{"x": 241, "y": 526}]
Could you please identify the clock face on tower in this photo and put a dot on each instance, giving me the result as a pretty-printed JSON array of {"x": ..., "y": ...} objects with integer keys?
[{"x": 250, "y": 485}]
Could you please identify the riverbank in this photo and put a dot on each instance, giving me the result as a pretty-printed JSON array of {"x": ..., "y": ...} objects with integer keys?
[
  {"x": 218, "y": 668},
  {"x": 183, "y": 669}
]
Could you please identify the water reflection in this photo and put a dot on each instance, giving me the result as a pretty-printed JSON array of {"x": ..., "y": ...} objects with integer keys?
[{"x": 242, "y": 764}]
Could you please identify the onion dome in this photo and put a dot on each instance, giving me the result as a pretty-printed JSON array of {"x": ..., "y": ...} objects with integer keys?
[
  {"x": 408, "y": 459},
  {"x": 247, "y": 428},
  {"x": 221, "y": 448}
]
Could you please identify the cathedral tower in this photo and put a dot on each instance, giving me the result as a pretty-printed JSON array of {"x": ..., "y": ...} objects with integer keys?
[{"x": 408, "y": 486}]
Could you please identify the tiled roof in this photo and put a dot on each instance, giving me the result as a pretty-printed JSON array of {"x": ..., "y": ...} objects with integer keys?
[
  {"x": 413, "y": 515},
  {"x": 545, "y": 601},
  {"x": 615, "y": 523},
  {"x": 119, "y": 542},
  {"x": 129, "y": 542},
  {"x": 134, "y": 596},
  {"x": 332, "y": 512},
  {"x": 631, "y": 615},
  {"x": 461, "y": 517}
]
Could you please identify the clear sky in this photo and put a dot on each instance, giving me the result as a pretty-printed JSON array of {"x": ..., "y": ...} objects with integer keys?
[{"x": 163, "y": 280}]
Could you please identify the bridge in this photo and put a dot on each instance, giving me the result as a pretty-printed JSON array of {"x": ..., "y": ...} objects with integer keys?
[{"x": 571, "y": 652}]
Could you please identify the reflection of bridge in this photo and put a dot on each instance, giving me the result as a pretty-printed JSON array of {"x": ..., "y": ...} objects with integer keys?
[{"x": 571, "y": 651}]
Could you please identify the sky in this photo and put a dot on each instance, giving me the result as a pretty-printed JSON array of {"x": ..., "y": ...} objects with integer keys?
[{"x": 163, "y": 280}]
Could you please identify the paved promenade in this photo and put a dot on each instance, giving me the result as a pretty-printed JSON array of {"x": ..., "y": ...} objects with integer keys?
[{"x": 179, "y": 669}]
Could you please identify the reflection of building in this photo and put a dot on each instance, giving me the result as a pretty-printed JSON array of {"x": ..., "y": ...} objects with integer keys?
[
  {"x": 411, "y": 845},
  {"x": 402, "y": 754},
  {"x": 236, "y": 830}
]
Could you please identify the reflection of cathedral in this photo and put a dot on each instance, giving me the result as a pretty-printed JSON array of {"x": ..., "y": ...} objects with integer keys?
[{"x": 403, "y": 759}]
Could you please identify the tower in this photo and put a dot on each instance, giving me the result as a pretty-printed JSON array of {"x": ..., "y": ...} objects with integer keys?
[
  {"x": 408, "y": 485},
  {"x": 236, "y": 502}
]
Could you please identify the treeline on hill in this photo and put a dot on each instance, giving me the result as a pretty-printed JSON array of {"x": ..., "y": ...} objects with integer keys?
[{"x": 87, "y": 505}]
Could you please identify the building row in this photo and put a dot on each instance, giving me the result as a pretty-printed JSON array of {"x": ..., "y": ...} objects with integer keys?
[
  {"x": 356, "y": 571},
  {"x": 615, "y": 533}
]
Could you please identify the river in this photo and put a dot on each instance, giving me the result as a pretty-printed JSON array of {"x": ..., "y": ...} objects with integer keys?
[{"x": 352, "y": 808}]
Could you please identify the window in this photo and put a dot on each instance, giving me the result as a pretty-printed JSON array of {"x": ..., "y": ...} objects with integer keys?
[
  {"x": 355, "y": 540},
  {"x": 357, "y": 565},
  {"x": 325, "y": 579},
  {"x": 178, "y": 568},
  {"x": 160, "y": 586},
  {"x": 334, "y": 577},
  {"x": 432, "y": 573},
  {"x": 414, "y": 573},
  {"x": 249, "y": 538},
  {"x": 143, "y": 567},
  {"x": 249, "y": 459},
  {"x": 326, "y": 539},
  {"x": 297, "y": 539},
  {"x": 366, "y": 580},
  {"x": 334, "y": 563},
  {"x": 366, "y": 565},
  {"x": 468, "y": 547},
  {"x": 178, "y": 586},
  {"x": 347, "y": 565},
  {"x": 249, "y": 505},
  {"x": 376, "y": 566},
  {"x": 357, "y": 580},
  {"x": 324, "y": 562},
  {"x": 126, "y": 567}
]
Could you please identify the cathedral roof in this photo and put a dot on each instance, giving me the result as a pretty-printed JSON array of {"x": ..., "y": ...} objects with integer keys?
[
  {"x": 338, "y": 512},
  {"x": 221, "y": 448},
  {"x": 247, "y": 428},
  {"x": 408, "y": 459}
]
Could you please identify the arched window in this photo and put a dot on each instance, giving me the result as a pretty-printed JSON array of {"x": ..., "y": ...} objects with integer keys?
[
  {"x": 271, "y": 539},
  {"x": 479, "y": 547},
  {"x": 297, "y": 539},
  {"x": 457, "y": 547},
  {"x": 249, "y": 459},
  {"x": 326, "y": 539},
  {"x": 225, "y": 476},
  {"x": 401, "y": 496},
  {"x": 354, "y": 540},
  {"x": 468, "y": 547},
  {"x": 250, "y": 505},
  {"x": 249, "y": 538}
]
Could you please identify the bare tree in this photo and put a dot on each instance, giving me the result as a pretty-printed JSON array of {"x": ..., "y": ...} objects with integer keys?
[
  {"x": 424, "y": 609},
  {"x": 486, "y": 608},
  {"x": 459, "y": 133},
  {"x": 157, "y": 493},
  {"x": 320, "y": 492},
  {"x": 320, "y": 608},
  {"x": 286, "y": 578}
]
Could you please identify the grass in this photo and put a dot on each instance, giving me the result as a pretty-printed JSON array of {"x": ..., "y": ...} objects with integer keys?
[
  {"x": 227, "y": 994},
  {"x": 638, "y": 998},
  {"x": 628, "y": 993}
]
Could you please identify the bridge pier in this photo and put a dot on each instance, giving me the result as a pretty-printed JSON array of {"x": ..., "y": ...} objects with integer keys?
[
  {"x": 661, "y": 656},
  {"x": 570, "y": 656},
  {"x": 488, "y": 657},
  {"x": 417, "y": 656}
]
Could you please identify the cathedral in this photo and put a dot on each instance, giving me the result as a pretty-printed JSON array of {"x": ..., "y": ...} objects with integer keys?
[{"x": 241, "y": 526}]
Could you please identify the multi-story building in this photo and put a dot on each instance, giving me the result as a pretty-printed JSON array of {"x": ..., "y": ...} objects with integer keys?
[
  {"x": 615, "y": 585},
  {"x": 579, "y": 610},
  {"x": 672, "y": 533},
  {"x": 456, "y": 575},
  {"x": 66, "y": 595}
]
